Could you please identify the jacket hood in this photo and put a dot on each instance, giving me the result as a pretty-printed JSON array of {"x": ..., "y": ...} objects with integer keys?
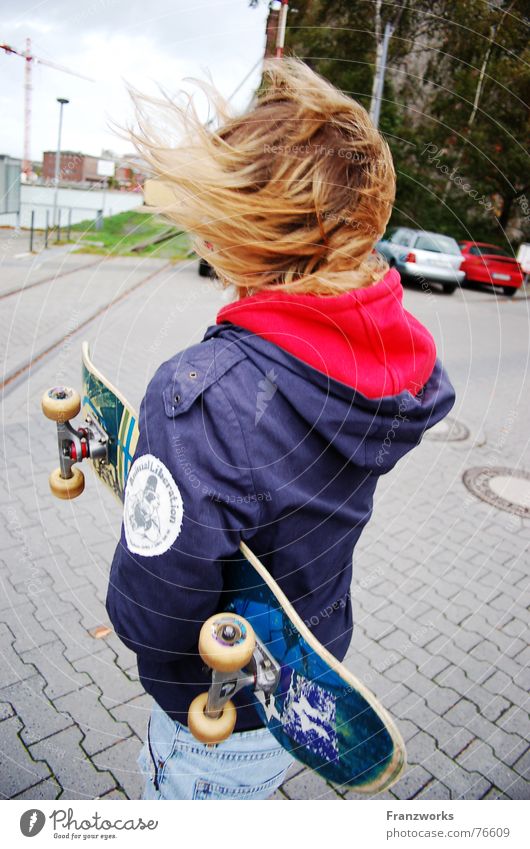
[
  {"x": 363, "y": 338},
  {"x": 369, "y": 429}
]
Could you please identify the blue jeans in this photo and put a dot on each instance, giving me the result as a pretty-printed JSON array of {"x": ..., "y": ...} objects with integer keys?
[{"x": 249, "y": 765}]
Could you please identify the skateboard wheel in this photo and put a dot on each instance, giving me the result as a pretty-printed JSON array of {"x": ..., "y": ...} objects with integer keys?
[
  {"x": 226, "y": 642},
  {"x": 205, "y": 728},
  {"x": 61, "y": 403},
  {"x": 67, "y": 488}
]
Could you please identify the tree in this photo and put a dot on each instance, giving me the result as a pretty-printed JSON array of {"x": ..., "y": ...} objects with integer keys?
[{"x": 454, "y": 106}]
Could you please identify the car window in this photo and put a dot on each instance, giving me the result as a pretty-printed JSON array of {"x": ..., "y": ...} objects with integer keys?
[
  {"x": 401, "y": 237},
  {"x": 487, "y": 250},
  {"x": 437, "y": 244}
]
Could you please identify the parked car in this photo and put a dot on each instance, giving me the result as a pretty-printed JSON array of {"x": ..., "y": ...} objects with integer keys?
[
  {"x": 424, "y": 256},
  {"x": 205, "y": 269},
  {"x": 484, "y": 263}
]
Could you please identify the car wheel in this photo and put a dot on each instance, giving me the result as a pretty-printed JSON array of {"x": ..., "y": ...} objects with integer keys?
[
  {"x": 509, "y": 291},
  {"x": 449, "y": 288}
]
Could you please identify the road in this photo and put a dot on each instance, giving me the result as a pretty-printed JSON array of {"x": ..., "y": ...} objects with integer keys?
[{"x": 440, "y": 585}]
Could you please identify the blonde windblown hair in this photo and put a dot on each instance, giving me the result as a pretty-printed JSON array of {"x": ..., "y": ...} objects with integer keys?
[{"x": 295, "y": 192}]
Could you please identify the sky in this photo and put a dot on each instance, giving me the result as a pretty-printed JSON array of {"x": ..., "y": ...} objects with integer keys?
[{"x": 146, "y": 43}]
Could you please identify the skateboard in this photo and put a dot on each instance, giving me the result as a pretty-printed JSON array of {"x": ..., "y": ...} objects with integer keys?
[{"x": 312, "y": 704}]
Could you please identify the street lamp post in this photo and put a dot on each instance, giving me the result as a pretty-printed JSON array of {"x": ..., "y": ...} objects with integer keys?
[{"x": 61, "y": 101}]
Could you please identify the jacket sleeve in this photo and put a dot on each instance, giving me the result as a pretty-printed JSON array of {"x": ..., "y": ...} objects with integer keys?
[
  {"x": 402, "y": 421},
  {"x": 189, "y": 494}
]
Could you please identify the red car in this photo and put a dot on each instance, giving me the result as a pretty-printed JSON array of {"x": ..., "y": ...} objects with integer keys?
[{"x": 485, "y": 263}]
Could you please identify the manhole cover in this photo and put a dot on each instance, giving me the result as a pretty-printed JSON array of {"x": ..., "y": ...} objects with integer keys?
[
  {"x": 507, "y": 489},
  {"x": 448, "y": 430}
]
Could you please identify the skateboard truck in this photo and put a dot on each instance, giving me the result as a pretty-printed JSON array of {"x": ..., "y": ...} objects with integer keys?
[
  {"x": 60, "y": 404},
  {"x": 229, "y": 647}
]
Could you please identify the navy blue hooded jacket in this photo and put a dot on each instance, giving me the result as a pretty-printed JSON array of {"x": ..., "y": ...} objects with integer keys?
[{"x": 240, "y": 438}]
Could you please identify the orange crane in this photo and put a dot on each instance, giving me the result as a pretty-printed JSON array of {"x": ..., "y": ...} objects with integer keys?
[{"x": 30, "y": 59}]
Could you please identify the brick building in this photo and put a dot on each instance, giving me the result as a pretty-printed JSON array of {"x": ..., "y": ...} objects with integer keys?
[{"x": 76, "y": 167}]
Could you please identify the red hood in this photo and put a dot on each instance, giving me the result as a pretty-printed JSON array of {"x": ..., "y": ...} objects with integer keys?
[{"x": 364, "y": 338}]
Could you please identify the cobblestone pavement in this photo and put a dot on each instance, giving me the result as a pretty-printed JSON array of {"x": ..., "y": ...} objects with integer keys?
[{"x": 440, "y": 578}]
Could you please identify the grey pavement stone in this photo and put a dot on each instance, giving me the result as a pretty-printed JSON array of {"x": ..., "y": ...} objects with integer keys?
[
  {"x": 26, "y": 630},
  {"x": 434, "y": 790},
  {"x": 58, "y": 572},
  {"x": 68, "y": 628},
  {"x": 18, "y": 770},
  {"x": 295, "y": 768},
  {"x": 522, "y": 765},
  {"x": 100, "y": 729},
  {"x": 60, "y": 675},
  {"x": 428, "y": 665},
  {"x": 51, "y": 610},
  {"x": 414, "y": 780},
  {"x": 39, "y": 716},
  {"x": 6, "y": 710},
  {"x": 73, "y": 769},
  {"x": 352, "y": 796},
  {"x": 11, "y": 667},
  {"x": 48, "y": 789},
  {"x": 462, "y": 783},
  {"x": 10, "y": 599},
  {"x": 120, "y": 760},
  {"x": 125, "y": 658},
  {"x": 91, "y": 608},
  {"x": 441, "y": 698},
  {"x": 450, "y": 740},
  {"x": 114, "y": 685},
  {"x": 516, "y": 722},
  {"x": 408, "y": 729},
  {"x": 401, "y": 671},
  {"x": 515, "y": 628},
  {"x": 113, "y": 794},
  {"x": 508, "y": 747},
  {"x": 495, "y": 794},
  {"x": 480, "y": 758},
  {"x": 474, "y": 691},
  {"x": 502, "y": 684},
  {"x": 135, "y": 713},
  {"x": 308, "y": 785}
]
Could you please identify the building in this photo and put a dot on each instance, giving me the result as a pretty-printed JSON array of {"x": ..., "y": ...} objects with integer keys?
[
  {"x": 76, "y": 167},
  {"x": 9, "y": 185}
]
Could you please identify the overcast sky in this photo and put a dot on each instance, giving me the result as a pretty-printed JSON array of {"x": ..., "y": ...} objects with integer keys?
[{"x": 144, "y": 42}]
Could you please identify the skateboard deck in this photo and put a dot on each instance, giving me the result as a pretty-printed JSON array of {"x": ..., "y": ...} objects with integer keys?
[
  {"x": 104, "y": 404},
  {"x": 319, "y": 711}
]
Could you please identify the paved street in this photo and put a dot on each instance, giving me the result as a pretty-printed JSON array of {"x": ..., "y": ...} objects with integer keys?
[{"x": 440, "y": 585}]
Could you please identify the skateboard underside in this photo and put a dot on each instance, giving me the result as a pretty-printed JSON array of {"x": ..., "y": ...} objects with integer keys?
[{"x": 316, "y": 714}]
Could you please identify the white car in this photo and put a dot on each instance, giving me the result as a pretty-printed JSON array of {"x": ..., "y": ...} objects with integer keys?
[{"x": 424, "y": 256}]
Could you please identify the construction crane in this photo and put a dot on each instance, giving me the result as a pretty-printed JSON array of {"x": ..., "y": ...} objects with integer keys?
[{"x": 30, "y": 60}]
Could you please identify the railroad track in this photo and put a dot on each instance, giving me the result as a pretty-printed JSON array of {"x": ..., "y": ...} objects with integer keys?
[
  {"x": 50, "y": 278},
  {"x": 11, "y": 379}
]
